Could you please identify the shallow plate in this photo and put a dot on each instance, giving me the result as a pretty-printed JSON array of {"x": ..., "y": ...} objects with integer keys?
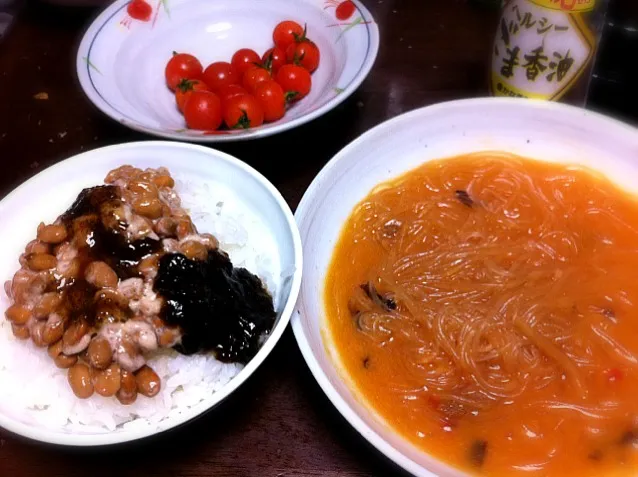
[
  {"x": 48, "y": 194},
  {"x": 542, "y": 130},
  {"x": 121, "y": 60}
]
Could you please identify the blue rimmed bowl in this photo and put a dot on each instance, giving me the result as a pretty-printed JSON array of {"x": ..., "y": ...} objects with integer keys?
[{"x": 121, "y": 59}]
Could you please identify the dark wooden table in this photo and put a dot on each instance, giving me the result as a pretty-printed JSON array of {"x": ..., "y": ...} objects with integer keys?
[{"x": 279, "y": 423}]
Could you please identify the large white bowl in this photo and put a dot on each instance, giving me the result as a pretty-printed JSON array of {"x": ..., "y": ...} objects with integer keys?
[
  {"x": 543, "y": 130},
  {"x": 49, "y": 193},
  {"x": 120, "y": 62}
]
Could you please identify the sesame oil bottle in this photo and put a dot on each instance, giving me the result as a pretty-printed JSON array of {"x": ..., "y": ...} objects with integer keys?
[{"x": 545, "y": 49}]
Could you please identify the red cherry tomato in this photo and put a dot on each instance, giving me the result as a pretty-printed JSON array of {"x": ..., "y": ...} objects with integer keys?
[
  {"x": 304, "y": 54},
  {"x": 230, "y": 91},
  {"x": 286, "y": 33},
  {"x": 243, "y": 112},
  {"x": 254, "y": 76},
  {"x": 295, "y": 81},
  {"x": 185, "y": 88},
  {"x": 203, "y": 110},
  {"x": 220, "y": 74},
  {"x": 140, "y": 10},
  {"x": 243, "y": 59},
  {"x": 182, "y": 66},
  {"x": 272, "y": 99},
  {"x": 274, "y": 59}
]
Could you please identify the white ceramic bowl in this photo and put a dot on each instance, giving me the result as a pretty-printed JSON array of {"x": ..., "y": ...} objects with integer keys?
[
  {"x": 48, "y": 194},
  {"x": 120, "y": 62},
  {"x": 543, "y": 130}
]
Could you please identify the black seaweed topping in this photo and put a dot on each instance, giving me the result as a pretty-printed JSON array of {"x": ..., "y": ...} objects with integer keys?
[{"x": 218, "y": 307}]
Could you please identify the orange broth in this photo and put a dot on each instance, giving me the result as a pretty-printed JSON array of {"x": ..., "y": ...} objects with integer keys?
[{"x": 485, "y": 307}]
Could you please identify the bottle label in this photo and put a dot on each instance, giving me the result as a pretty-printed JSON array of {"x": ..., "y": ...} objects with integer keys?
[
  {"x": 567, "y": 5},
  {"x": 540, "y": 51}
]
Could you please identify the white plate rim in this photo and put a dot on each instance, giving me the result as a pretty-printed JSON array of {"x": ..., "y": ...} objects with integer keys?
[
  {"x": 83, "y": 72},
  {"x": 110, "y": 438},
  {"x": 304, "y": 212}
]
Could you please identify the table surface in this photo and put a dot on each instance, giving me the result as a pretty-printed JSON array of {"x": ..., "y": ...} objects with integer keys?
[{"x": 279, "y": 423}]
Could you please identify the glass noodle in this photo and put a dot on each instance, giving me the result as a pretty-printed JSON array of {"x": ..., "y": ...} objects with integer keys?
[{"x": 492, "y": 280}]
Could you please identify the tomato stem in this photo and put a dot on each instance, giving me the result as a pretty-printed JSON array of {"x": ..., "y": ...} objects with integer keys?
[
  {"x": 268, "y": 63},
  {"x": 301, "y": 38},
  {"x": 296, "y": 60},
  {"x": 185, "y": 85},
  {"x": 243, "y": 122},
  {"x": 290, "y": 96}
]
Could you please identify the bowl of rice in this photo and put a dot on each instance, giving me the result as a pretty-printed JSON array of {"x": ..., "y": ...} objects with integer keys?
[{"x": 224, "y": 197}]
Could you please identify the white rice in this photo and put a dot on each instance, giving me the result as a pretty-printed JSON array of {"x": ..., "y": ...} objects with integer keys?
[{"x": 35, "y": 391}]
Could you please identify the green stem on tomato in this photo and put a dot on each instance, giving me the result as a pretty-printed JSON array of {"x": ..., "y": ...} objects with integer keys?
[
  {"x": 268, "y": 63},
  {"x": 243, "y": 122},
  {"x": 185, "y": 85},
  {"x": 301, "y": 38},
  {"x": 296, "y": 60},
  {"x": 289, "y": 96}
]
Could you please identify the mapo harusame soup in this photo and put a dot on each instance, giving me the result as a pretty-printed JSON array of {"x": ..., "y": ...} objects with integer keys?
[{"x": 486, "y": 307}]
